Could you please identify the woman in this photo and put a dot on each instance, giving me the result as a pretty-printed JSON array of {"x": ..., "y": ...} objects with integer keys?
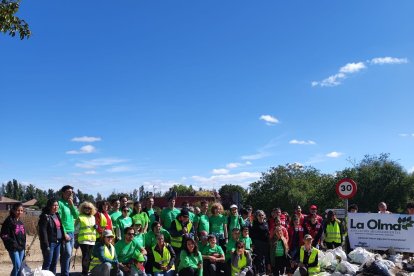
[
  {"x": 85, "y": 233},
  {"x": 333, "y": 231},
  {"x": 308, "y": 260},
  {"x": 102, "y": 218},
  {"x": 13, "y": 235},
  {"x": 51, "y": 235},
  {"x": 241, "y": 261},
  {"x": 260, "y": 237},
  {"x": 138, "y": 213},
  {"x": 104, "y": 260},
  {"x": 218, "y": 224},
  {"x": 122, "y": 223},
  {"x": 296, "y": 233},
  {"x": 162, "y": 257},
  {"x": 279, "y": 252},
  {"x": 191, "y": 261}
]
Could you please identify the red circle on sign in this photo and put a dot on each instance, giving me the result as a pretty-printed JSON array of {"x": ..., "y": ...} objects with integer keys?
[{"x": 346, "y": 188}]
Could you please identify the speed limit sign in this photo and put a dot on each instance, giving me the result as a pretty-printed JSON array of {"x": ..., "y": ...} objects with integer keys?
[{"x": 346, "y": 188}]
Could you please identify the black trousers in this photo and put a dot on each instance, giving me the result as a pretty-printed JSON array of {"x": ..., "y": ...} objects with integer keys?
[{"x": 86, "y": 257}]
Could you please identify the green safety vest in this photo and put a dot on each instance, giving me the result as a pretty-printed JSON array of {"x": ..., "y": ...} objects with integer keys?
[
  {"x": 87, "y": 231},
  {"x": 242, "y": 263},
  {"x": 178, "y": 241},
  {"x": 333, "y": 233},
  {"x": 311, "y": 270},
  {"x": 162, "y": 260},
  {"x": 107, "y": 254}
]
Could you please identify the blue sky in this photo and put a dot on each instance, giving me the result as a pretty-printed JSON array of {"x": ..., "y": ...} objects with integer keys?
[{"x": 109, "y": 96}]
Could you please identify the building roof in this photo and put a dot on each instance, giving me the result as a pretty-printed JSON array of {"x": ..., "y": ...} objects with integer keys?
[
  {"x": 4, "y": 199},
  {"x": 30, "y": 203}
]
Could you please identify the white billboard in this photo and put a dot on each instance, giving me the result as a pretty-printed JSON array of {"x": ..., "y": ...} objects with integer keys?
[{"x": 381, "y": 231}]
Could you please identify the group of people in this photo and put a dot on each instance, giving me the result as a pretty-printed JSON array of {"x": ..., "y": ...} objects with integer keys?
[{"x": 118, "y": 239}]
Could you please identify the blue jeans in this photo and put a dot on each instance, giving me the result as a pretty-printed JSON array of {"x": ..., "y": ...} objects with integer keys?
[
  {"x": 66, "y": 253},
  {"x": 17, "y": 259},
  {"x": 50, "y": 257}
]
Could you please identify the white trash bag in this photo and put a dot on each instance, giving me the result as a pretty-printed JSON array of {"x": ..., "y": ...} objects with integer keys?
[
  {"x": 345, "y": 267},
  {"x": 338, "y": 252},
  {"x": 360, "y": 255}
]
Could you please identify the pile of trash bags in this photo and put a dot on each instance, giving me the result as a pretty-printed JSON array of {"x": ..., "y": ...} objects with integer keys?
[{"x": 362, "y": 262}]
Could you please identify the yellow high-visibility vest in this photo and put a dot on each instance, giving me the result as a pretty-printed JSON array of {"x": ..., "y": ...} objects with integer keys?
[
  {"x": 333, "y": 233},
  {"x": 163, "y": 260},
  {"x": 311, "y": 270},
  {"x": 177, "y": 241},
  {"x": 109, "y": 254}
]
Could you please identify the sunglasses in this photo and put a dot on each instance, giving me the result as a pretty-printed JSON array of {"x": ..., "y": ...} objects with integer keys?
[{"x": 125, "y": 210}]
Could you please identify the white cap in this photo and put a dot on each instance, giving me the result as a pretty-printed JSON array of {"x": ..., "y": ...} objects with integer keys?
[{"x": 233, "y": 206}]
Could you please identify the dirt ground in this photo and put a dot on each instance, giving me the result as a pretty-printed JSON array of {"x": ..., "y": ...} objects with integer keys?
[{"x": 34, "y": 260}]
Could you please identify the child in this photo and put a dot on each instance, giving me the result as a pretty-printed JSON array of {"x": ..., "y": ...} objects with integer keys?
[
  {"x": 246, "y": 239},
  {"x": 138, "y": 267}
]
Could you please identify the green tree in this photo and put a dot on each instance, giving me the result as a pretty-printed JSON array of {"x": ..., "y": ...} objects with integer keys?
[
  {"x": 291, "y": 185},
  {"x": 9, "y": 22},
  {"x": 230, "y": 194},
  {"x": 379, "y": 179},
  {"x": 181, "y": 190}
]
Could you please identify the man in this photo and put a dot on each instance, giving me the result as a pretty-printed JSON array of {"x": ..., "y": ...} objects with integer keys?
[
  {"x": 115, "y": 213},
  {"x": 151, "y": 236},
  {"x": 234, "y": 220},
  {"x": 169, "y": 214},
  {"x": 201, "y": 221},
  {"x": 68, "y": 213},
  {"x": 313, "y": 210},
  {"x": 410, "y": 208},
  {"x": 181, "y": 228},
  {"x": 124, "y": 203},
  {"x": 298, "y": 213},
  {"x": 149, "y": 209},
  {"x": 333, "y": 231},
  {"x": 203, "y": 240},
  {"x": 126, "y": 250},
  {"x": 353, "y": 208},
  {"x": 186, "y": 205},
  {"x": 314, "y": 228},
  {"x": 382, "y": 208},
  {"x": 213, "y": 257}
]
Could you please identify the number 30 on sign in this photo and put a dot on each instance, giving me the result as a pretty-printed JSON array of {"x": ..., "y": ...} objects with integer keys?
[{"x": 346, "y": 188}]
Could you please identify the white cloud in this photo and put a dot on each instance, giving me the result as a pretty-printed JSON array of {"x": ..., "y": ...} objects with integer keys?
[
  {"x": 411, "y": 170},
  {"x": 334, "y": 154},
  {"x": 388, "y": 60},
  {"x": 117, "y": 169},
  {"x": 256, "y": 156},
  {"x": 352, "y": 68},
  {"x": 330, "y": 81},
  {"x": 236, "y": 165},
  {"x": 83, "y": 150},
  {"x": 263, "y": 151},
  {"x": 269, "y": 119},
  {"x": 90, "y": 172},
  {"x": 355, "y": 67},
  {"x": 242, "y": 178},
  {"x": 86, "y": 139},
  {"x": 99, "y": 162},
  {"x": 403, "y": 134},
  {"x": 220, "y": 171},
  {"x": 302, "y": 142}
]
